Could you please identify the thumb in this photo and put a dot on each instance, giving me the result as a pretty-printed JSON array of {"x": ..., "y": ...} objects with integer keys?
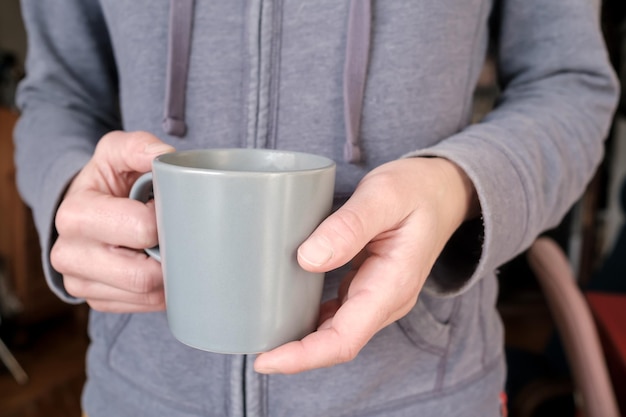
[
  {"x": 342, "y": 235},
  {"x": 129, "y": 151}
]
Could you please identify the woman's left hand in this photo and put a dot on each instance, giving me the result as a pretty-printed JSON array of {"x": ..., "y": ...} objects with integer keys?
[{"x": 393, "y": 228}]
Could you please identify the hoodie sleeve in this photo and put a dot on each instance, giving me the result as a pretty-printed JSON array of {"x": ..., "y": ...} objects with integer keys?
[
  {"x": 68, "y": 100},
  {"x": 531, "y": 158}
]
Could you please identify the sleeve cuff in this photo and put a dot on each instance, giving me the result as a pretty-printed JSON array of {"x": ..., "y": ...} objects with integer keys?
[
  {"x": 64, "y": 168},
  {"x": 481, "y": 245}
]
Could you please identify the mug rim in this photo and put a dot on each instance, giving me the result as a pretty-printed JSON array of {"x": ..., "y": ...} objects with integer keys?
[{"x": 318, "y": 163}]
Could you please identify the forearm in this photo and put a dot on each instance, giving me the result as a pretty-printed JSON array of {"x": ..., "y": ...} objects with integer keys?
[
  {"x": 531, "y": 158},
  {"x": 68, "y": 100},
  {"x": 46, "y": 162}
]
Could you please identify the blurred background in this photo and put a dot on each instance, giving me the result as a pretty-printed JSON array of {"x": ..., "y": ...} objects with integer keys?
[{"x": 43, "y": 341}]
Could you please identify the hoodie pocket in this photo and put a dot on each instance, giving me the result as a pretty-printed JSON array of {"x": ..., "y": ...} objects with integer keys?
[
  {"x": 396, "y": 370},
  {"x": 424, "y": 329},
  {"x": 145, "y": 354}
]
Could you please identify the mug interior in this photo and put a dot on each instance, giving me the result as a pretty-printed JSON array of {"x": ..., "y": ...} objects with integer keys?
[{"x": 246, "y": 160}]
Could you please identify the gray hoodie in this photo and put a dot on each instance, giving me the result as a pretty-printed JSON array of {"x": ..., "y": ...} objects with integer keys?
[{"x": 362, "y": 82}]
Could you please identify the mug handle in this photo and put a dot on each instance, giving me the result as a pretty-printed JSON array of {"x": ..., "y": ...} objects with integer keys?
[{"x": 142, "y": 191}]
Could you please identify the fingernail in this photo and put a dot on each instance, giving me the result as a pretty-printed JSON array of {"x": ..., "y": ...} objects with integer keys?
[
  {"x": 264, "y": 369},
  {"x": 267, "y": 371},
  {"x": 157, "y": 148},
  {"x": 315, "y": 251}
]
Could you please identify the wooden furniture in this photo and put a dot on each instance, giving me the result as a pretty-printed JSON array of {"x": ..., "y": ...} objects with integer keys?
[
  {"x": 55, "y": 362},
  {"x": 47, "y": 336}
]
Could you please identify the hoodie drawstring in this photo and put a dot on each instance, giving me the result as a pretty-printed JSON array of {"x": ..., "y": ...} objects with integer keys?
[
  {"x": 355, "y": 74},
  {"x": 178, "y": 53}
]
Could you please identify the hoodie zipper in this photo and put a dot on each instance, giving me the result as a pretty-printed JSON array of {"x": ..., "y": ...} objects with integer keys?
[{"x": 263, "y": 40}]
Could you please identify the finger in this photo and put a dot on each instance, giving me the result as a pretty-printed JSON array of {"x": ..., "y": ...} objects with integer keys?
[
  {"x": 358, "y": 260},
  {"x": 129, "y": 151},
  {"x": 342, "y": 292},
  {"x": 338, "y": 340},
  {"x": 370, "y": 305},
  {"x": 119, "y": 268},
  {"x": 105, "y": 218},
  {"x": 345, "y": 233},
  {"x": 327, "y": 310},
  {"x": 122, "y": 307},
  {"x": 330, "y": 307},
  {"x": 98, "y": 292}
]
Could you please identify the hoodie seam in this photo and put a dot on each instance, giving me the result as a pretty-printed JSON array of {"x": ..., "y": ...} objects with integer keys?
[
  {"x": 441, "y": 369},
  {"x": 465, "y": 113},
  {"x": 265, "y": 49},
  {"x": 440, "y": 393},
  {"x": 274, "y": 74},
  {"x": 255, "y": 94},
  {"x": 112, "y": 341},
  {"x": 245, "y": 78},
  {"x": 252, "y": 45},
  {"x": 481, "y": 321}
]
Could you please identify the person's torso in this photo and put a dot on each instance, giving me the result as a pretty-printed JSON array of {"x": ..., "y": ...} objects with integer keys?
[{"x": 268, "y": 73}]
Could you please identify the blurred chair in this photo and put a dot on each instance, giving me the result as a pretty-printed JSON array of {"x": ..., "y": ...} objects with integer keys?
[
  {"x": 594, "y": 391},
  {"x": 609, "y": 310},
  {"x": 6, "y": 357}
]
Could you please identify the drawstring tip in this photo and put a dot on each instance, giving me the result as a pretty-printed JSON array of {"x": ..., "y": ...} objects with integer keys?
[
  {"x": 174, "y": 127},
  {"x": 352, "y": 153}
]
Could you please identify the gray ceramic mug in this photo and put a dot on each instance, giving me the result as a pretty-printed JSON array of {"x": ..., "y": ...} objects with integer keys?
[{"x": 229, "y": 223}]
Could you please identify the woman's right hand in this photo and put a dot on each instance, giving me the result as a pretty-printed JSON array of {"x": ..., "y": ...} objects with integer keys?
[{"x": 102, "y": 233}]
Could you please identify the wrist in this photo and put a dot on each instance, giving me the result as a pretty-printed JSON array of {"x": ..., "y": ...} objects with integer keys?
[{"x": 458, "y": 188}]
